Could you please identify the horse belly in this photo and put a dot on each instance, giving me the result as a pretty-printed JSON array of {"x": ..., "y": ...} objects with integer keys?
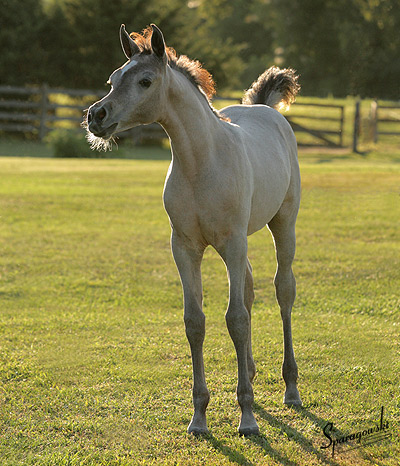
[
  {"x": 270, "y": 147},
  {"x": 261, "y": 216},
  {"x": 271, "y": 183}
]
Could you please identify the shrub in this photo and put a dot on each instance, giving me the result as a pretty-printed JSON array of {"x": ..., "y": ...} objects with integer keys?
[{"x": 70, "y": 144}]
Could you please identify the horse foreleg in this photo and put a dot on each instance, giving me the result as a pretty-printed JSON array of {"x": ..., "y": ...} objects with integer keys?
[
  {"x": 237, "y": 317},
  {"x": 188, "y": 261}
]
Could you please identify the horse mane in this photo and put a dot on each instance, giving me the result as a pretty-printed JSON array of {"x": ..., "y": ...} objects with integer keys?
[{"x": 192, "y": 69}]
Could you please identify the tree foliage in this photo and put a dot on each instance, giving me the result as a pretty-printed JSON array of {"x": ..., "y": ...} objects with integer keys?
[
  {"x": 339, "y": 47},
  {"x": 342, "y": 46}
]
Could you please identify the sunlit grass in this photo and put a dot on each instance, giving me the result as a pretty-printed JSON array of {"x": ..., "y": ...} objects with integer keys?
[{"x": 95, "y": 367}]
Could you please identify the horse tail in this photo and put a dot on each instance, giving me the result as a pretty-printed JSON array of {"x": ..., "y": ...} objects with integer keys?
[{"x": 275, "y": 87}]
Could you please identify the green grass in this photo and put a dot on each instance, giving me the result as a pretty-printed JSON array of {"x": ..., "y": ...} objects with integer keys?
[{"x": 94, "y": 364}]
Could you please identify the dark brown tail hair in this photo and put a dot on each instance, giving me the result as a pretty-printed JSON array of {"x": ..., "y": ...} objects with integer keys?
[{"x": 275, "y": 87}]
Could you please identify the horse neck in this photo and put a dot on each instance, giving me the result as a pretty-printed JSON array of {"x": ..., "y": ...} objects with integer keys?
[{"x": 190, "y": 123}]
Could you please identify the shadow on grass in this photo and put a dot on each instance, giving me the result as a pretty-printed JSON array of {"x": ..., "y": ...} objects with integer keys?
[
  {"x": 293, "y": 435},
  {"x": 305, "y": 413},
  {"x": 263, "y": 442},
  {"x": 236, "y": 457},
  {"x": 233, "y": 455}
]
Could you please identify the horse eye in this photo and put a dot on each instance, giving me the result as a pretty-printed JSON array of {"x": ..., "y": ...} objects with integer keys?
[{"x": 145, "y": 82}]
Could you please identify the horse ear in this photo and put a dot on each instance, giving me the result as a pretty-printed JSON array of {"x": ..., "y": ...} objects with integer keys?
[
  {"x": 157, "y": 43},
  {"x": 128, "y": 44}
]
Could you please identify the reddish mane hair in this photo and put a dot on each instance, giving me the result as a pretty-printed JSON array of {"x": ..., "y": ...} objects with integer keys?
[{"x": 192, "y": 69}]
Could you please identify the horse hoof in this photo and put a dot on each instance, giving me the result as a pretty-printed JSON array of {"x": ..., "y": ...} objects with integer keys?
[
  {"x": 295, "y": 401},
  {"x": 248, "y": 431},
  {"x": 197, "y": 431},
  {"x": 292, "y": 398}
]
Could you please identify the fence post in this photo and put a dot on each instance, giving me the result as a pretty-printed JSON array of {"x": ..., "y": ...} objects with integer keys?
[
  {"x": 374, "y": 121},
  {"x": 356, "y": 130},
  {"x": 43, "y": 112},
  {"x": 341, "y": 126}
]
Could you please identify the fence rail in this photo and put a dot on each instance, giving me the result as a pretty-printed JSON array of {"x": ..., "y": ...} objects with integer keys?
[
  {"x": 322, "y": 123},
  {"x": 38, "y": 110},
  {"x": 385, "y": 120}
]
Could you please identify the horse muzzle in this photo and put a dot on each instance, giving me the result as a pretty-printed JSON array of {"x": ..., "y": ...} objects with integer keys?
[
  {"x": 103, "y": 132},
  {"x": 98, "y": 121}
]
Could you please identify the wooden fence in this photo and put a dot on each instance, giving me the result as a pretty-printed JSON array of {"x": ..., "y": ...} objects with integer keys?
[
  {"x": 315, "y": 124},
  {"x": 385, "y": 120},
  {"x": 319, "y": 124},
  {"x": 38, "y": 110}
]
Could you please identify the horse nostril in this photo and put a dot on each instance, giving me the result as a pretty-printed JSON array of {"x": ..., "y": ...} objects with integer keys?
[
  {"x": 90, "y": 116},
  {"x": 101, "y": 114}
]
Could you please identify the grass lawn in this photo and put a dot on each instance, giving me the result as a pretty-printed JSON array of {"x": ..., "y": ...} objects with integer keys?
[{"x": 94, "y": 364}]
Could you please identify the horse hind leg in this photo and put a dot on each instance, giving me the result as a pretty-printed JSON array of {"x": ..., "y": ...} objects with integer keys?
[
  {"x": 283, "y": 231},
  {"x": 248, "y": 302}
]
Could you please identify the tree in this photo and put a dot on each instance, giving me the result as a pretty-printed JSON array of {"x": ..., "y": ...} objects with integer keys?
[
  {"x": 21, "y": 30},
  {"x": 338, "y": 46},
  {"x": 341, "y": 46},
  {"x": 237, "y": 43}
]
